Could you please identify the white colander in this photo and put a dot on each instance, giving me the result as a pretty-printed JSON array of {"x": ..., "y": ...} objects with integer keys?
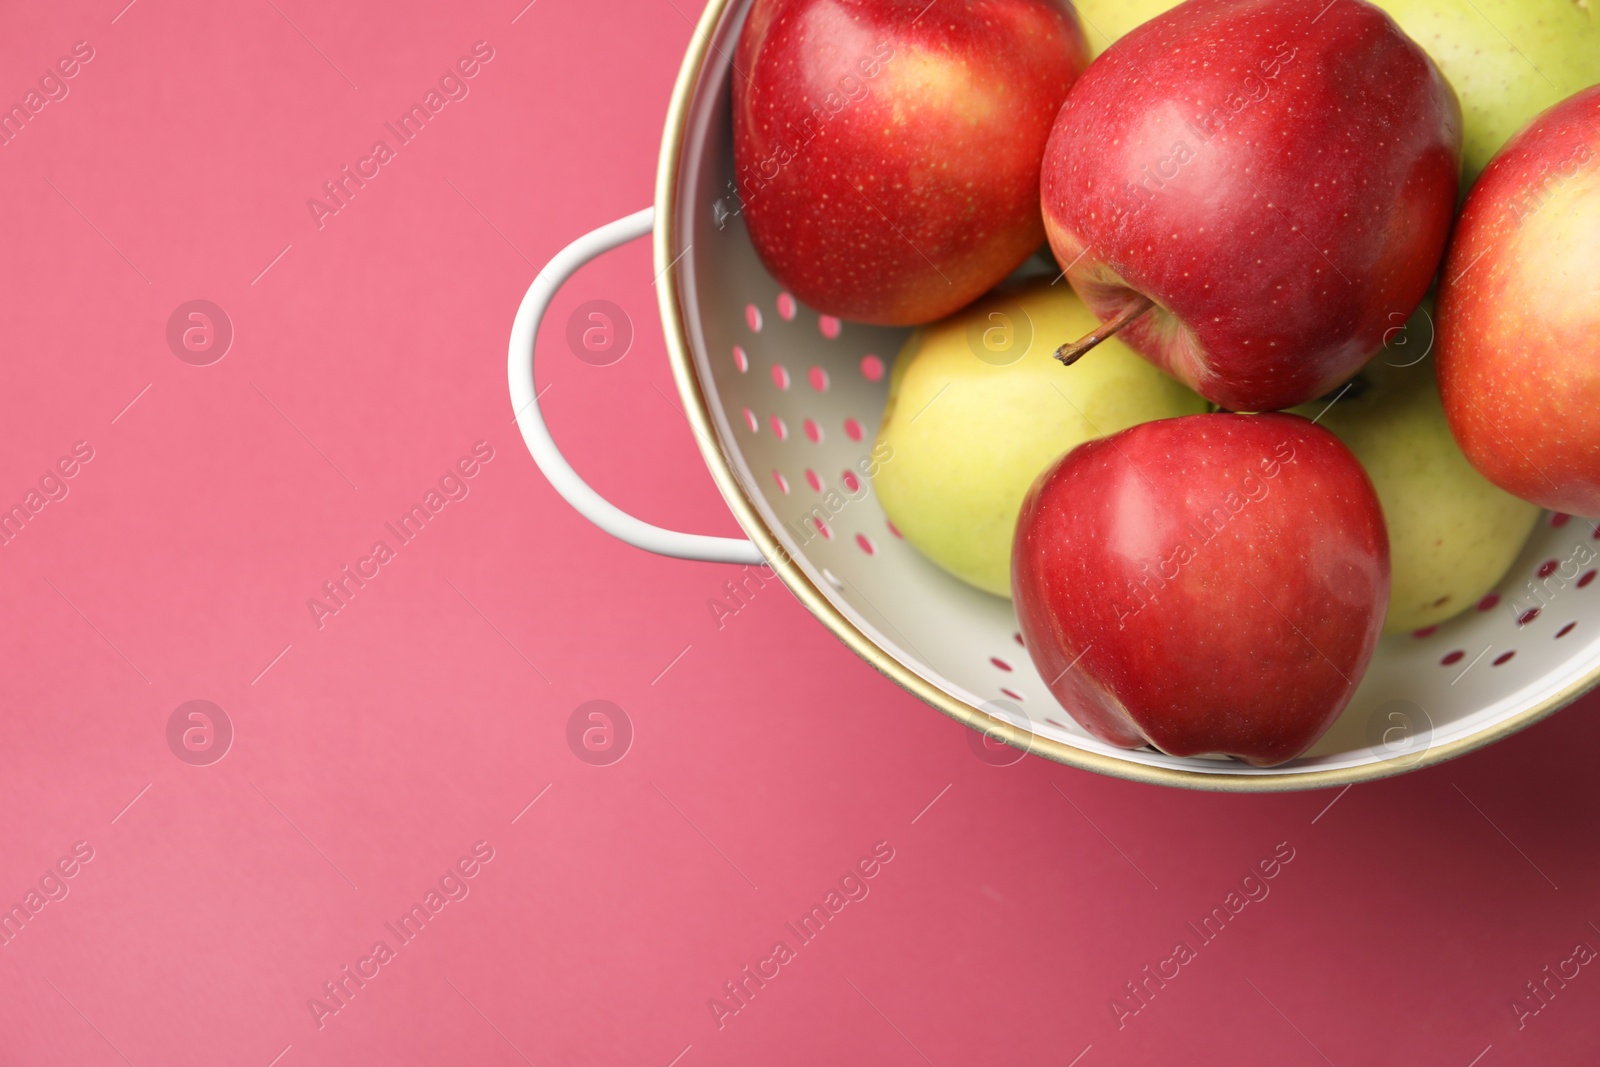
[{"x": 785, "y": 405}]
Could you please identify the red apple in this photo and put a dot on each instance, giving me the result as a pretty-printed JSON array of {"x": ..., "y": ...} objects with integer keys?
[
  {"x": 1208, "y": 584},
  {"x": 887, "y": 151},
  {"x": 1519, "y": 314},
  {"x": 1277, "y": 176}
]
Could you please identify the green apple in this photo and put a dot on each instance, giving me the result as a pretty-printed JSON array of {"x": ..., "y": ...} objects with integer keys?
[
  {"x": 1452, "y": 534},
  {"x": 978, "y": 407},
  {"x": 1507, "y": 59},
  {"x": 1104, "y": 21}
]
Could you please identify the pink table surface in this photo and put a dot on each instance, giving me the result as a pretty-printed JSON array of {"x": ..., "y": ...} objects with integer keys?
[{"x": 373, "y": 752}]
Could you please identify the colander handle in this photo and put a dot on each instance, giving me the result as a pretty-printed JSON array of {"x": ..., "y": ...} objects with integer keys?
[{"x": 530, "y": 420}]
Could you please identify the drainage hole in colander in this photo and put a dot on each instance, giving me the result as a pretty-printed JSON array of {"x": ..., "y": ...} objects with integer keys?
[
  {"x": 1527, "y": 616},
  {"x": 852, "y": 484},
  {"x": 1488, "y": 603},
  {"x": 852, "y": 429},
  {"x": 1559, "y": 520},
  {"x": 998, "y": 662},
  {"x": 1504, "y": 657},
  {"x": 751, "y": 421},
  {"x": 1453, "y": 658},
  {"x": 780, "y": 376},
  {"x": 741, "y": 360},
  {"x": 780, "y": 428},
  {"x": 829, "y": 326},
  {"x": 813, "y": 431},
  {"x": 1565, "y": 630},
  {"x": 783, "y": 483},
  {"x": 786, "y": 306},
  {"x": 872, "y": 368},
  {"x": 752, "y": 317},
  {"x": 1586, "y": 579},
  {"x": 813, "y": 480},
  {"x": 866, "y": 544},
  {"x": 1013, "y": 694},
  {"x": 819, "y": 379}
]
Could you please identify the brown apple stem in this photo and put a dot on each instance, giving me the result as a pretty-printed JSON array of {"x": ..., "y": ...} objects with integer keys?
[{"x": 1070, "y": 353}]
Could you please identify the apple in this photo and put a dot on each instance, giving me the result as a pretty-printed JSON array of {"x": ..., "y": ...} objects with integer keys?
[
  {"x": 1507, "y": 60},
  {"x": 1213, "y": 584},
  {"x": 1105, "y": 22},
  {"x": 977, "y": 408},
  {"x": 887, "y": 151},
  {"x": 1519, "y": 314},
  {"x": 1252, "y": 188},
  {"x": 1452, "y": 534}
]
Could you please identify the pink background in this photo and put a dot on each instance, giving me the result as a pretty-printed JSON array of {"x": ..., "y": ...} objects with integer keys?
[{"x": 372, "y": 753}]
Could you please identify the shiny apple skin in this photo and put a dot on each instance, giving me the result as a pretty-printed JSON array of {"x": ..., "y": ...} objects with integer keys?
[
  {"x": 920, "y": 191},
  {"x": 1249, "y": 644},
  {"x": 1519, "y": 314},
  {"x": 1305, "y": 215}
]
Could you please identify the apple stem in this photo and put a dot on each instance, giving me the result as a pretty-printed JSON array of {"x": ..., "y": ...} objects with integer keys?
[{"x": 1071, "y": 352}]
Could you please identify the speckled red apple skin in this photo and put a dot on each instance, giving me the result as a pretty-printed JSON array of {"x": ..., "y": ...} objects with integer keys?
[
  {"x": 1304, "y": 216},
  {"x": 1252, "y": 642},
  {"x": 1519, "y": 314},
  {"x": 919, "y": 189}
]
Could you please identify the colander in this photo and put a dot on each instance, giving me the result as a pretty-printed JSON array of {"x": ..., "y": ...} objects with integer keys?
[{"x": 785, "y": 406}]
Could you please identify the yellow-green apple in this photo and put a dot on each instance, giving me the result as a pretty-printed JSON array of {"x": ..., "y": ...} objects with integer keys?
[
  {"x": 1106, "y": 21},
  {"x": 1452, "y": 534},
  {"x": 1277, "y": 177},
  {"x": 977, "y": 408},
  {"x": 1213, "y": 584},
  {"x": 1508, "y": 60},
  {"x": 887, "y": 151},
  {"x": 1519, "y": 314}
]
